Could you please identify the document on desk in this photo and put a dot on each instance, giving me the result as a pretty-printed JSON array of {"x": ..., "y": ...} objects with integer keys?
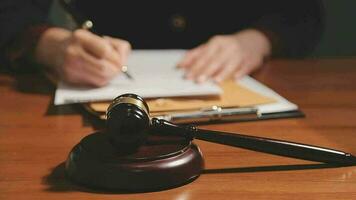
[
  {"x": 154, "y": 74},
  {"x": 281, "y": 104}
]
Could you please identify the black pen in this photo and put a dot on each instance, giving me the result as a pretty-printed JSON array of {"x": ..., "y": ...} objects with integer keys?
[{"x": 86, "y": 24}]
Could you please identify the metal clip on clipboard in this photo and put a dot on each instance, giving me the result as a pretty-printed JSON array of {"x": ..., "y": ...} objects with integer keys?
[{"x": 215, "y": 113}]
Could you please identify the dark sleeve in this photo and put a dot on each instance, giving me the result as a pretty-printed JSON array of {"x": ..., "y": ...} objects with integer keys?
[
  {"x": 293, "y": 27},
  {"x": 21, "y": 22}
]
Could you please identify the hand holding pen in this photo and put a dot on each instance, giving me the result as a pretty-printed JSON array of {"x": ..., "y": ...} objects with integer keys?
[
  {"x": 82, "y": 57},
  {"x": 86, "y": 24}
]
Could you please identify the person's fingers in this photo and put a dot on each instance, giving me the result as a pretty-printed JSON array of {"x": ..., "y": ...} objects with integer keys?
[
  {"x": 92, "y": 43},
  {"x": 80, "y": 75},
  {"x": 227, "y": 70},
  {"x": 202, "y": 61},
  {"x": 102, "y": 78},
  {"x": 99, "y": 47},
  {"x": 87, "y": 76},
  {"x": 100, "y": 68},
  {"x": 83, "y": 77},
  {"x": 114, "y": 57},
  {"x": 214, "y": 66},
  {"x": 190, "y": 57},
  {"x": 241, "y": 72},
  {"x": 122, "y": 47},
  {"x": 85, "y": 69},
  {"x": 247, "y": 69}
]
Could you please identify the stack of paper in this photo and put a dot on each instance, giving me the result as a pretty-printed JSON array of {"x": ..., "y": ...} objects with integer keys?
[
  {"x": 161, "y": 83},
  {"x": 154, "y": 75}
]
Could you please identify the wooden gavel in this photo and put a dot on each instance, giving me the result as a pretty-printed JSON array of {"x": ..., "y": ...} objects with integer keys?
[
  {"x": 128, "y": 122},
  {"x": 123, "y": 157}
]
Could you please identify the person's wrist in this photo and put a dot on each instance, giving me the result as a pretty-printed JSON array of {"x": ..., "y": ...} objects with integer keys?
[
  {"x": 48, "y": 51},
  {"x": 258, "y": 40}
]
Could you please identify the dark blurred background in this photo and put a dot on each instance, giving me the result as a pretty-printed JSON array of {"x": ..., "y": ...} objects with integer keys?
[{"x": 338, "y": 40}]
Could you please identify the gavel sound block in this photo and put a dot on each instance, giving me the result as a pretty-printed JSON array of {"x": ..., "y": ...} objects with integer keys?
[
  {"x": 133, "y": 153},
  {"x": 138, "y": 153},
  {"x": 162, "y": 162}
]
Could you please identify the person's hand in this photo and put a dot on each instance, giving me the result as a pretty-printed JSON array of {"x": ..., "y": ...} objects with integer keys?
[
  {"x": 81, "y": 57},
  {"x": 226, "y": 56}
]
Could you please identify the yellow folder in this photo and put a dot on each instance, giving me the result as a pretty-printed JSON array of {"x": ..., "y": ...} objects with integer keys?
[{"x": 234, "y": 95}]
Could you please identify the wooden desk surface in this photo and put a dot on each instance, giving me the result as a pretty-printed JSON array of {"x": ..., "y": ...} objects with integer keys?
[{"x": 36, "y": 137}]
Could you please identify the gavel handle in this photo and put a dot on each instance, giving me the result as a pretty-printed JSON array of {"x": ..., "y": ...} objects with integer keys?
[
  {"x": 277, "y": 147},
  {"x": 261, "y": 144}
]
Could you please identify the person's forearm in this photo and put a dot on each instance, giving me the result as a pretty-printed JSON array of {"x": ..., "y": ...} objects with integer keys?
[{"x": 294, "y": 28}]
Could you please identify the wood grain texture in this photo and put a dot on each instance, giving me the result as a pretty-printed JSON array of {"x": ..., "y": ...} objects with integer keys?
[{"x": 36, "y": 137}]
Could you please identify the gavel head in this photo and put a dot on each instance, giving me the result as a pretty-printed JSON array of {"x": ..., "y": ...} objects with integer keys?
[{"x": 127, "y": 122}]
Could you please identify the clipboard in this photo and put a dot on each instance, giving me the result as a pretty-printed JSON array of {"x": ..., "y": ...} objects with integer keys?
[{"x": 246, "y": 100}]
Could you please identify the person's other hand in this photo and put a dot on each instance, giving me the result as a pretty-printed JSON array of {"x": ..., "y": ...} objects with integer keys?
[
  {"x": 226, "y": 56},
  {"x": 81, "y": 57}
]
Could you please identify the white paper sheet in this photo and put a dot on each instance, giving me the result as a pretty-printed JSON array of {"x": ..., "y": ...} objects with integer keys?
[{"x": 154, "y": 73}]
